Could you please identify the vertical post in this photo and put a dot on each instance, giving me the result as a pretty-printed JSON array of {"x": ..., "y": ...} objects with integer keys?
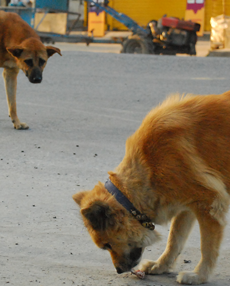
[
  {"x": 86, "y": 9},
  {"x": 224, "y": 14},
  {"x": 67, "y": 21}
]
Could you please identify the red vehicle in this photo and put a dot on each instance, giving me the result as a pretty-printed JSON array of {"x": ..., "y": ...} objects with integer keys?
[
  {"x": 167, "y": 36},
  {"x": 179, "y": 24}
]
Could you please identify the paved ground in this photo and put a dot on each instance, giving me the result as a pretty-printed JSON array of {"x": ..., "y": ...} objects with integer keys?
[{"x": 79, "y": 118}]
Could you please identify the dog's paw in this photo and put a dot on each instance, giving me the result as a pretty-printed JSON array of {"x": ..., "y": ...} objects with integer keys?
[
  {"x": 190, "y": 278},
  {"x": 21, "y": 126},
  {"x": 153, "y": 267}
]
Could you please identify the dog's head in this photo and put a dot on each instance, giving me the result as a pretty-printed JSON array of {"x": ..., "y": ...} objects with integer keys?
[
  {"x": 31, "y": 56},
  {"x": 113, "y": 228}
]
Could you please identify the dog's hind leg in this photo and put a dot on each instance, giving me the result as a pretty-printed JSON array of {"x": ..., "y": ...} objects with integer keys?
[
  {"x": 211, "y": 236},
  {"x": 180, "y": 228},
  {"x": 10, "y": 79}
]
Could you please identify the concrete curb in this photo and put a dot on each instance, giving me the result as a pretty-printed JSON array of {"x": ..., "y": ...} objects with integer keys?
[{"x": 219, "y": 53}]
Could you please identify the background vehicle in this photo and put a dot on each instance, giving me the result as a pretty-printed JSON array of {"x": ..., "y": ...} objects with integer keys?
[{"x": 167, "y": 36}]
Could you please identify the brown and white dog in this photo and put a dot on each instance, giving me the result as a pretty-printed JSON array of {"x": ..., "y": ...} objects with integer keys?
[
  {"x": 20, "y": 48},
  {"x": 176, "y": 168}
]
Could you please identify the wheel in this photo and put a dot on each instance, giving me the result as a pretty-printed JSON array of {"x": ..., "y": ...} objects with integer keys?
[{"x": 136, "y": 44}]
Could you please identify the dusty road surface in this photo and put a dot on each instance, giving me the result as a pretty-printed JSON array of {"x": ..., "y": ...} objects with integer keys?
[{"x": 79, "y": 118}]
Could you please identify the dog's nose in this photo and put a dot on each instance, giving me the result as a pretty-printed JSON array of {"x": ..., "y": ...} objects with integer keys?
[
  {"x": 35, "y": 75},
  {"x": 36, "y": 79},
  {"x": 119, "y": 270}
]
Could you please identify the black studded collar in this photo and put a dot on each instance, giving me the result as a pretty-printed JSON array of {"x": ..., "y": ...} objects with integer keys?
[{"x": 122, "y": 199}]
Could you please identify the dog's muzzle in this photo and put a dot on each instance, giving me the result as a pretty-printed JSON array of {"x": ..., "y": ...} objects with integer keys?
[
  {"x": 35, "y": 75},
  {"x": 130, "y": 261}
]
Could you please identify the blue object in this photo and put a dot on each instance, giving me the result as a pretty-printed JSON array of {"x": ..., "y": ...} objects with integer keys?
[
  {"x": 52, "y": 4},
  {"x": 26, "y": 13},
  {"x": 19, "y": 4}
]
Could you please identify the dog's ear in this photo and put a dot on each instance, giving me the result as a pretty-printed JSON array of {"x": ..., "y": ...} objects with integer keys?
[
  {"x": 99, "y": 215},
  {"x": 15, "y": 51},
  {"x": 52, "y": 50},
  {"x": 78, "y": 197}
]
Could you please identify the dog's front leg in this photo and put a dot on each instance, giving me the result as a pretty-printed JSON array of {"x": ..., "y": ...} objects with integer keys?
[
  {"x": 211, "y": 235},
  {"x": 10, "y": 79},
  {"x": 179, "y": 231}
]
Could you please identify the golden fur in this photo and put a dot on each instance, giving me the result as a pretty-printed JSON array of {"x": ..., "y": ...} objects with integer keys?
[
  {"x": 20, "y": 48},
  {"x": 176, "y": 168}
]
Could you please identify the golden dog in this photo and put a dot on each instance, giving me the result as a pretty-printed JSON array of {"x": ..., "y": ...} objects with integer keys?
[
  {"x": 20, "y": 48},
  {"x": 176, "y": 168}
]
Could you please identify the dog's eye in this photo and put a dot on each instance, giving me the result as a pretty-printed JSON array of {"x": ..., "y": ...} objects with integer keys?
[
  {"x": 29, "y": 62},
  {"x": 41, "y": 62},
  {"x": 107, "y": 246}
]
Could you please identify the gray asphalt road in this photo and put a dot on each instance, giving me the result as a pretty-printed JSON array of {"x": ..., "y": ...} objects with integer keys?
[{"x": 79, "y": 118}]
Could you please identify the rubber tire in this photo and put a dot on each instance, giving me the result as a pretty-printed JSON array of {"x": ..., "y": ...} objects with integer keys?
[{"x": 137, "y": 45}]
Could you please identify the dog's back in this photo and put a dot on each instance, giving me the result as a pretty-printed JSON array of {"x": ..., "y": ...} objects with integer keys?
[
  {"x": 202, "y": 122},
  {"x": 13, "y": 30},
  {"x": 182, "y": 112},
  {"x": 181, "y": 143}
]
